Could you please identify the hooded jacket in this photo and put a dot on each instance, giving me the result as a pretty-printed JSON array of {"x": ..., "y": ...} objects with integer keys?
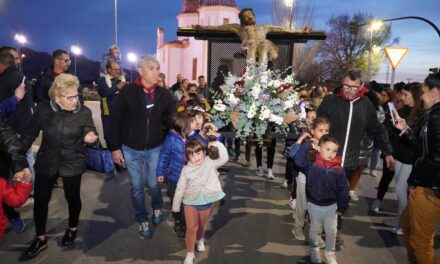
[
  {"x": 326, "y": 183},
  {"x": 348, "y": 121}
]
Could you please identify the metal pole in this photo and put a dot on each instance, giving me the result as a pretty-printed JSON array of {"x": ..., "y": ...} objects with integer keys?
[
  {"x": 388, "y": 71},
  {"x": 369, "y": 55},
  {"x": 75, "y": 64},
  {"x": 393, "y": 76},
  {"x": 116, "y": 22},
  {"x": 131, "y": 74},
  {"x": 291, "y": 15}
]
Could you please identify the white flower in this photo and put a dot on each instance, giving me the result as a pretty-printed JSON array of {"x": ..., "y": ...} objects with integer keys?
[
  {"x": 256, "y": 90},
  {"x": 219, "y": 106},
  {"x": 233, "y": 100},
  {"x": 276, "y": 119},
  {"x": 252, "y": 111},
  {"x": 264, "y": 113}
]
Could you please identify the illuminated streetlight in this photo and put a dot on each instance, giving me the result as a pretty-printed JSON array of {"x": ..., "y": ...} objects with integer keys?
[
  {"x": 20, "y": 38},
  {"x": 374, "y": 26},
  {"x": 76, "y": 52},
  {"x": 132, "y": 58},
  {"x": 289, "y": 4}
]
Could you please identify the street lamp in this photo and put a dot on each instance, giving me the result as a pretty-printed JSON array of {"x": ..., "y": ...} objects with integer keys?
[
  {"x": 76, "y": 51},
  {"x": 21, "y": 39},
  {"x": 374, "y": 26},
  {"x": 132, "y": 58},
  {"x": 289, "y": 3},
  {"x": 116, "y": 22}
]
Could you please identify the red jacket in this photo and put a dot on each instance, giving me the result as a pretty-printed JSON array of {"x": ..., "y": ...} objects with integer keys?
[{"x": 12, "y": 196}]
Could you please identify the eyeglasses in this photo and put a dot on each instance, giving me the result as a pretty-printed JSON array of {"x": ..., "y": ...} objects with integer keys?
[
  {"x": 65, "y": 60},
  {"x": 349, "y": 87},
  {"x": 71, "y": 97}
]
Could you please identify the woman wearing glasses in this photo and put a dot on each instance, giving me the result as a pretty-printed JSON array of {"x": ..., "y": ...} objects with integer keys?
[{"x": 67, "y": 126}]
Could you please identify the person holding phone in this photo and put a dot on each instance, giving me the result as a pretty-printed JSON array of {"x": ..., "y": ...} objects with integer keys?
[
  {"x": 411, "y": 113},
  {"x": 420, "y": 217}
]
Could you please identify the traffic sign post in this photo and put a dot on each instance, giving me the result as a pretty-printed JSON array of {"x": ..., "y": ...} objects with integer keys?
[{"x": 395, "y": 56}]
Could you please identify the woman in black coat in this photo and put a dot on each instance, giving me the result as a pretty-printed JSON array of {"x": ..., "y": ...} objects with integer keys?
[{"x": 67, "y": 126}]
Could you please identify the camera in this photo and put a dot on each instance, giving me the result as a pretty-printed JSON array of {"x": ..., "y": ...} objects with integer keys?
[{"x": 434, "y": 70}]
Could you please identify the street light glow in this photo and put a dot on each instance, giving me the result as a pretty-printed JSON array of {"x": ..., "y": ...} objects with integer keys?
[
  {"x": 376, "y": 49},
  {"x": 376, "y": 25},
  {"x": 20, "y": 38},
  {"x": 289, "y": 3},
  {"x": 76, "y": 50},
  {"x": 132, "y": 57}
]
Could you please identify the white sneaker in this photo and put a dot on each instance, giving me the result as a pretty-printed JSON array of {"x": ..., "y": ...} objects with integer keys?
[
  {"x": 189, "y": 259},
  {"x": 298, "y": 233},
  {"x": 200, "y": 245},
  {"x": 354, "y": 196},
  {"x": 284, "y": 184},
  {"x": 397, "y": 231},
  {"x": 315, "y": 256},
  {"x": 270, "y": 175},
  {"x": 292, "y": 203},
  {"x": 330, "y": 257},
  {"x": 373, "y": 173},
  {"x": 260, "y": 171},
  {"x": 375, "y": 206}
]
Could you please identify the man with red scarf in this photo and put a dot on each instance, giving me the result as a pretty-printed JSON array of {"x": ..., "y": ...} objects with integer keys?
[
  {"x": 352, "y": 115},
  {"x": 141, "y": 113}
]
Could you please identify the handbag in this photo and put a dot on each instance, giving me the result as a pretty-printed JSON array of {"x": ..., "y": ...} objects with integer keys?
[{"x": 99, "y": 159}]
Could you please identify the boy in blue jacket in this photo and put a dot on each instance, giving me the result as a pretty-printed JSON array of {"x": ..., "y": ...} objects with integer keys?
[{"x": 326, "y": 191}]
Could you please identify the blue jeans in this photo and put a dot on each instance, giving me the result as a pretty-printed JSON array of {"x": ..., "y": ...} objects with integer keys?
[
  {"x": 141, "y": 167},
  {"x": 323, "y": 216}
]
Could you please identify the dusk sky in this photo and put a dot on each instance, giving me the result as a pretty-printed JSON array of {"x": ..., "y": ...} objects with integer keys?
[{"x": 52, "y": 24}]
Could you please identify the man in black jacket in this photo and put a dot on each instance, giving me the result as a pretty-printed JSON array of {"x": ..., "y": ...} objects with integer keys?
[
  {"x": 351, "y": 115},
  {"x": 60, "y": 64},
  {"x": 10, "y": 79},
  {"x": 142, "y": 111}
]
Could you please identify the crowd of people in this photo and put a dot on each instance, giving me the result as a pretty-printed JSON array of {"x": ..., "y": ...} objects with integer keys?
[{"x": 166, "y": 135}]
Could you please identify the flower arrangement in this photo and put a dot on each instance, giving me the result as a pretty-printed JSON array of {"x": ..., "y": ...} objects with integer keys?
[{"x": 256, "y": 99}]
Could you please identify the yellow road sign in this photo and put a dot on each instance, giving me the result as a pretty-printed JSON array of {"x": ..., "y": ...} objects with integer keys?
[{"x": 395, "y": 55}]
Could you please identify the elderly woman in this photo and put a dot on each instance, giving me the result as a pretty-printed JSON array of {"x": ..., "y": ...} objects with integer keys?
[{"x": 67, "y": 126}]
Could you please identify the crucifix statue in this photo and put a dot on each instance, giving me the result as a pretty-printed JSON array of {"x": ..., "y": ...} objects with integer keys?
[{"x": 253, "y": 37}]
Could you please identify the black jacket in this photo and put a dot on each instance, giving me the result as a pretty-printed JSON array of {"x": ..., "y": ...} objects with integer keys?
[
  {"x": 403, "y": 151},
  {"x": 10, "y": 144},
  {"x": 43, "y": 84},
  {"x": 426, "y": 140},
  {"x": 9, "y": 81},
  {"x": 62, "y": 149},
  {"x": 363, "y": 119},
  {"x": 132, "y": 125},
  {"x": 109, "y": 95}
]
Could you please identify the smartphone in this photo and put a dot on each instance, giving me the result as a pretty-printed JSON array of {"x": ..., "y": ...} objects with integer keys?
[
  {"x": 393, "y": 112},
  {"x": 24, "y": 79}
]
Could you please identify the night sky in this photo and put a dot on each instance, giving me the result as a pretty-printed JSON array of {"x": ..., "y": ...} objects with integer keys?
[{"x": 52, "y": 24}]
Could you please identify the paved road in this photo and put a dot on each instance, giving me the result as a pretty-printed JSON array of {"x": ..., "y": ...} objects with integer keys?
[{"x": 252, "y": 227}]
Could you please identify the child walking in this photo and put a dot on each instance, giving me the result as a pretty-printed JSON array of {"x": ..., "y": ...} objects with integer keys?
[
  {"x": 327, "y": 194},
  {"x": 319, "y": 127},
  {"x": 171, "y": 162},
  {"x": 198, "y": 188}
]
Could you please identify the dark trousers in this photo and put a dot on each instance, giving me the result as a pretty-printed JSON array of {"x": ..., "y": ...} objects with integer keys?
[
  {"x": 42, "y": 193},
  {"x": 291, "y": 174},
  {"x": 387, "y": 177},
  {"x": 178, "y": 217},
  {"x": 106, "y": 128},
  {"x": 270, "y": 153}
]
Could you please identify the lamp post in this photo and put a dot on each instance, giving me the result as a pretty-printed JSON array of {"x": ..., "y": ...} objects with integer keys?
[
  {"x": 289, "y": 3},
  {"x": 374, "y": 25},
  {"x": 76, "y": 51},
  {"x": 132, "y": 58},
  {"x": 21, "y": 39}
]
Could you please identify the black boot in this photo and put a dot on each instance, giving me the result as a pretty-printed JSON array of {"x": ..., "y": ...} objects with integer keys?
[
  {"x": 68, "y": 237},
  {"x": 182, "y": 232},
  {"x": 36, "y": 247},
  {"x": 176, "y": 226}
]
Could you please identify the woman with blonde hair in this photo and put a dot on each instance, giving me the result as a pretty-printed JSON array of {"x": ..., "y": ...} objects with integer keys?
[{"x": 67, "y": 127}]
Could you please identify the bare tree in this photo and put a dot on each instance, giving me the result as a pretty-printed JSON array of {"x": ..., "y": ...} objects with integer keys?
[{"x": 344, "y": 49}]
